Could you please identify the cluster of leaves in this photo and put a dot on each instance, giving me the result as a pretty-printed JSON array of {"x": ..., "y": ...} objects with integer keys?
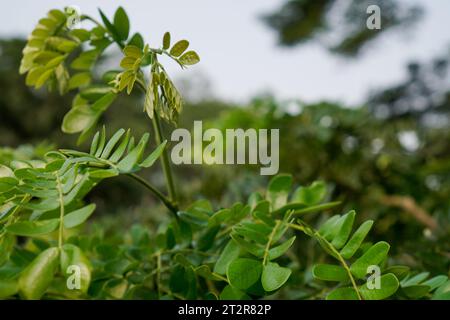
[
  {"x": 38, "y": 197},
  {"x": 240, "y": 252},
  {"x": 58, "y": 55}
]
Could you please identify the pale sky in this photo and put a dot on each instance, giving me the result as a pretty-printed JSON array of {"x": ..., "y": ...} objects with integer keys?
[{"x": 239, "y": 53}]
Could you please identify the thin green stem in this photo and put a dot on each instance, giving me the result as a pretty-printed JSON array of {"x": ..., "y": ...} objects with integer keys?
[
  {"x": 61, "y": 212},
  {"x": 269, "y": 242},
  {"x": 164, "y": 159},
  {"x": 167, "y": 202},
  {"x": 158, "y": 273},
  {"x": 164, "y": 156}
]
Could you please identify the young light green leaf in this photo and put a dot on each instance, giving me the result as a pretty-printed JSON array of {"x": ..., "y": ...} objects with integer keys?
[
  {"x": 418, "y": 278},
  {"x": 131, "y": 160},
  {"x": 79, "y": 216},
  {"x": 79, "y": 80},
  {"x": 150, "y": 160},
  {"x": 435, "y": 282},
  {"x": 179, "y": 47},
  {"x": 166, "y": 41},
  {"x": 112, "y": 143},
  {"x": 120, "y": 150},
  {"x": 133, "y": 52},
  {"x": 101, "y": 143},
  {"x": 273, "y": 276},
  {"x": 78, "y": 119},
  {"x": 189, "y": 58}
]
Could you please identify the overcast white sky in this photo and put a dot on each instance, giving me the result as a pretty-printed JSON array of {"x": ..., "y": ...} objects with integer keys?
[{"x": 239, "y": 53}]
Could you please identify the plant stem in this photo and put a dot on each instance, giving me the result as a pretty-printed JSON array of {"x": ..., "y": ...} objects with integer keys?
[
  {"x": 164, "y": 157},
  {"x": 167, "y": 202},
  {"x": 269, "y": 242},
  {"x": 61, "y": 213},
  {"x": 164, "y": 160}
]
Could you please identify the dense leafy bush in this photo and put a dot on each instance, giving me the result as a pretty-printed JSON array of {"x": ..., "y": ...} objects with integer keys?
[{"x": 243, "y": 251}]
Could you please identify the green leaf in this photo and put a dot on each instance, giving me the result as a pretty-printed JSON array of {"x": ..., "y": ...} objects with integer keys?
[
  {"x": 111, "y": 28},
  {"x": 118, "y": 153},
  {"x": 330, "y": 272},
  {"x": 376, "y": 254},
  {"x": 33, "y": 228},
  {"x": 85, "y": 60},
  {"x": 38, "y": 275},
  {"x": 231, "y": 293},
  {"x": 229, "y": 253},
  {"x": 133, "y": 52},
  {"x": 127, "y": 164},
  {"x": 8, "y": 288},
  {"x": 79, "y": 80},
  {"x": 247, "y": 246},
  {"x": 101, "y": 143},
  {"x": 355, "y": 241},
  {"x": 418, "y": 278},
  {"x": 137, "y": 40},
  {"x": 435, "y": 282},
  {"x": 5, "y": 171},
  {"x": 150, "y": 160},
  {"x": 274, "y": 276},
  {"x": 189, "y": 58},
  {"x": 415, "y": 291},
  {"x": 278, "y": 251},
  {"x": 79, "y": 216},
  {"x": 345, "y": 293},
  {"x": 112, "y": 143},
  {"x": 122, "y": 23},
  {"x": 278, "y": 190},
  {"x": 388, "y": 286},
  {"x": 443, "y": 292},
  {"x": 7, "y": 183},
  {"x": 179, "y": 47},
  {"x": 243, "y": 273},
  {"x": 78, "y": 119},
  {"x": 104, "y": 102},
  {"x": 71, "y": 255},
  {"x": 166, "y": 41},
  {"x": 345, "y": 229},
  {"x": 310, "y": 195}
]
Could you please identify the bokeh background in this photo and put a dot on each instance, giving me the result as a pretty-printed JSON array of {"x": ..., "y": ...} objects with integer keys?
[{"x": 367, "y": 111}]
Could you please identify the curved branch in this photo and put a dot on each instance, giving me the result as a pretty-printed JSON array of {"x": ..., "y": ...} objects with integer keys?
[{"x": 168, "y": 203}]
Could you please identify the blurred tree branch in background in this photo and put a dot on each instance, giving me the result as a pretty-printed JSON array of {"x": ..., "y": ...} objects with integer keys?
[{"x": 340, "y": 25}]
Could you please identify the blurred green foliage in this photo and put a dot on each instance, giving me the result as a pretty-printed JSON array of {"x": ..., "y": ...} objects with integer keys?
[{"x": 299, "y": 21}]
